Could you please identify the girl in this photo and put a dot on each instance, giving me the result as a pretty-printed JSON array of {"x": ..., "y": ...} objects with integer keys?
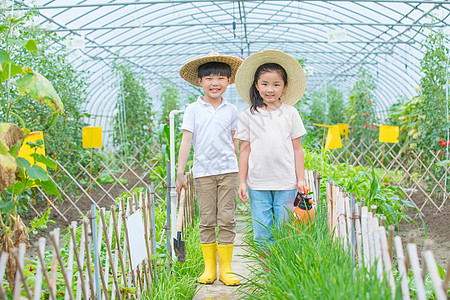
[{"x": 271, "y": 162}]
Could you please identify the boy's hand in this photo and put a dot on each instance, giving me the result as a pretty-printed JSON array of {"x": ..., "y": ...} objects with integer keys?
[
  {"x": 301, "y": 187},
  {"x": 242, "y": 192},
  {"x": 181, "y": 182}
]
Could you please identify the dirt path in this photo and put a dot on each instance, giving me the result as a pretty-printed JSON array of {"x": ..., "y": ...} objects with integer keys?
[{"x": 220, "y": 291}]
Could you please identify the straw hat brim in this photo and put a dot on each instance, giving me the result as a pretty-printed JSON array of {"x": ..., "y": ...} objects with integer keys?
[
  {"x": 189, "y": 71},
  {"x": 296, "y": 76}
]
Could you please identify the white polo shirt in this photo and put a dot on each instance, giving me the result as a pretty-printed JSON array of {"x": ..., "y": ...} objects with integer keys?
[{"x": 213, "y": 145}]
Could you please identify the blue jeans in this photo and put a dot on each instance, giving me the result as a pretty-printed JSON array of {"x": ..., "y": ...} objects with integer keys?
[{"x": 269, "y": 208}]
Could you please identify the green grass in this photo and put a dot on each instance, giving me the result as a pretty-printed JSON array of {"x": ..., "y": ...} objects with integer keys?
[
  {"x": 179, "y": 280},
  {"x": 309, "y": 265}
]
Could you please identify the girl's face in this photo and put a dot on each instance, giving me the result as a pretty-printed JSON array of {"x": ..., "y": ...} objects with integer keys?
[{"x": 270, "y": 86}]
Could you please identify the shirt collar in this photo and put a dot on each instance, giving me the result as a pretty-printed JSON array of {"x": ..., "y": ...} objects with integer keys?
[{"x": 201, "y": 101}]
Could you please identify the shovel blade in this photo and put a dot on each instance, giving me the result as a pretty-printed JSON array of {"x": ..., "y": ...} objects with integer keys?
[{"x": 180, "y": 250}]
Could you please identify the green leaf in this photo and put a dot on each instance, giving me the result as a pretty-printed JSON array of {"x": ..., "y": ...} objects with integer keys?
[
  {"x": 3, "y": 28},
  {"x": 50, "y": 188},
  {"x": 23, "y": 162},
  {"x": 443, "y": 163},
  {"x": 441, "y": 271},
  {"x": 45, "y": 160},
  {"x": 4, "y": 58},
  {"x": 31, "y": 46},
  {"x": 6, "y": 206},
  {"x": 36, "y": 172},
  {"x": 40, "y": 89},
  {"x": 6, "y": 74},
  {"x": 408, "y": 203},
  {"x": 17, "y": 187}
]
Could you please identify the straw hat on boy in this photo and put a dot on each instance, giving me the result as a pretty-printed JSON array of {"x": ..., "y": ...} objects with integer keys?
[
  {"x": 296, "y": 77},
  {"x": 189, "y": 71}
]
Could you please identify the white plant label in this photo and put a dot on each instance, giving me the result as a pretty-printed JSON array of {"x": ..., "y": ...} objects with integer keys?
[{"x": 135, "y": 226}]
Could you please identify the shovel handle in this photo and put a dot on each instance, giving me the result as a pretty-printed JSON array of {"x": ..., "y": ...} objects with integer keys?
[{"x": 181, "y": 210}]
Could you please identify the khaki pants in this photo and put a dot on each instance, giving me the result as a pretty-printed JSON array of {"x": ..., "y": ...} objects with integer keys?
[{"x": 216, "y": 197}]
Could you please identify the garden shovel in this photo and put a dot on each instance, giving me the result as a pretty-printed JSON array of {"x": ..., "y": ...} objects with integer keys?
[{"x": 179, "y": 245}]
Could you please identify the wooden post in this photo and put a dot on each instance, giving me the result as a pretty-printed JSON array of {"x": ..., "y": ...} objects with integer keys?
[
  {"x": 118, "y": 246},
  {"x": 54, "y": 235},
  {"x": 434, "y": 272},
  {"x": 19, "y": 255},
  {"x": 127, "y": 243},
  {"x": 401, "y": 268},
  {"x": 79, "y": 262},
  {"x": 414, "y": 261},
  {"x": 365, "y": 236},
  {"x": 391, "y": 241},
  {"x": 446, "y": 278},
  {"x": 38, "y": 279},
  {"x": 87, "y": 245},
  {"x": 70, "y": 268},
  {"x": 411, "y": 238},
  {"x": 110, "y": 256},
  {"x": 40, "y": 252},
  {"x": 3, "y": 262},
  {"x": 386, "y": 257}
]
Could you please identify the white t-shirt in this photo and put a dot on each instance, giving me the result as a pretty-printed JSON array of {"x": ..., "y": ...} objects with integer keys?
[
  {"x": 213, "y": 145},
  {"x": 271, "y": 165}
]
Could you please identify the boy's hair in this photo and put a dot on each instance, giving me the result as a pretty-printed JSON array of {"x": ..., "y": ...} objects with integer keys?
[
  {"x": 255, "y": 97},
  {"x": 214, "y": 68}
]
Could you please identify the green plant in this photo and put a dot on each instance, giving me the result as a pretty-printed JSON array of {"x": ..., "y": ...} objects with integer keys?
[
  {"x": 309, "y": 264},
  {"x": 133, "y": 122},
  {"x": 170, "y": 98},
  {"x": 41, "y": 223},
  {"x": 361, "y": 107}
]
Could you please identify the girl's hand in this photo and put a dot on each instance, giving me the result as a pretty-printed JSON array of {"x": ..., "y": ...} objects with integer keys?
[
  {"x": 242, "y": 192},
  {"x": 301, "y": 187}
]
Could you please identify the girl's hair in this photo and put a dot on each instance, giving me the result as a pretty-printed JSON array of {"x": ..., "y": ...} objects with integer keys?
[{"x": 255, "y": 97}]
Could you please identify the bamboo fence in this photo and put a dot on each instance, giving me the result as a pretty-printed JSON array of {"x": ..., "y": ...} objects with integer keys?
[
  {"x": 79, "y": 185},
  {"x": 98, "y": 264},
  {"x": 423, "y": 173},
  {"x": 363, "y": 232}
]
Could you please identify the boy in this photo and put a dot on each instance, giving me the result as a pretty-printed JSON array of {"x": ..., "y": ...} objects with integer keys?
[{"x": 210, "y": 124}]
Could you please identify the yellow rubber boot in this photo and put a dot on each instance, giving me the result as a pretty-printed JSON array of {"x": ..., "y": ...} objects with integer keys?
[
  {"x": 225, "y": 253},
  {"x": 209, "y": 257}
]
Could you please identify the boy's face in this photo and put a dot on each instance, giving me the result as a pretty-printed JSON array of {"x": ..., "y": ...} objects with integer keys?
[{"x": 214, "y": 85}]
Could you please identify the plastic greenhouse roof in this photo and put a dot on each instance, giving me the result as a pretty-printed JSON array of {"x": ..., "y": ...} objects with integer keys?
[{"x": 157, "y": 37}]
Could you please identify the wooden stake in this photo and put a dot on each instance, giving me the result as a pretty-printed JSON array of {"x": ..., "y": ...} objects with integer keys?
[
  {"x": 401, "y": 268},
  {"x": 87, "y": 244},
  {"x": 19, "y": 255},
  {"x": 119, "y": 249},
  {"x": 3, "y": 261},
  {"x": 391, "y": 241},
  {"x": 415, "y": 266},
  {"x": 434, "y": 272},
  {"x": 40, "y": 252},
  {"x": 54, "y": 235},
  {"x": 108, "y": 247},
  {"x": 446, "y": 278},
  {"x": 411, "y": 238},
  {"x": 72, "y": 229}
]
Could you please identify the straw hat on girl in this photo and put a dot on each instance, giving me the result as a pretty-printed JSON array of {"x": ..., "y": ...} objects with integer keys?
[
  {"x": 296, "y": 84},
  {"x": 189, "y": 71}
]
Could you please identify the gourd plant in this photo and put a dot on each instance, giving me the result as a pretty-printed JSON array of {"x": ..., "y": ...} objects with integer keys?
[{"x": 17, "y": 175}]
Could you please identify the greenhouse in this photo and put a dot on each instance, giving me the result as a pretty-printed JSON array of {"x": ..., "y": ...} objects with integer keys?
[{"x": 104, "y": 102}]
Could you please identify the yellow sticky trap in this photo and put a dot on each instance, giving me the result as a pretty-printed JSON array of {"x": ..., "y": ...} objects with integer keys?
[
  {"x": 343, "y": 129},
  {"x": 92, "y": 137},
  {"x": 26, "y": 151},
  {"x": 333, "y": 138},
  {"x": 388, "y": 134}
]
